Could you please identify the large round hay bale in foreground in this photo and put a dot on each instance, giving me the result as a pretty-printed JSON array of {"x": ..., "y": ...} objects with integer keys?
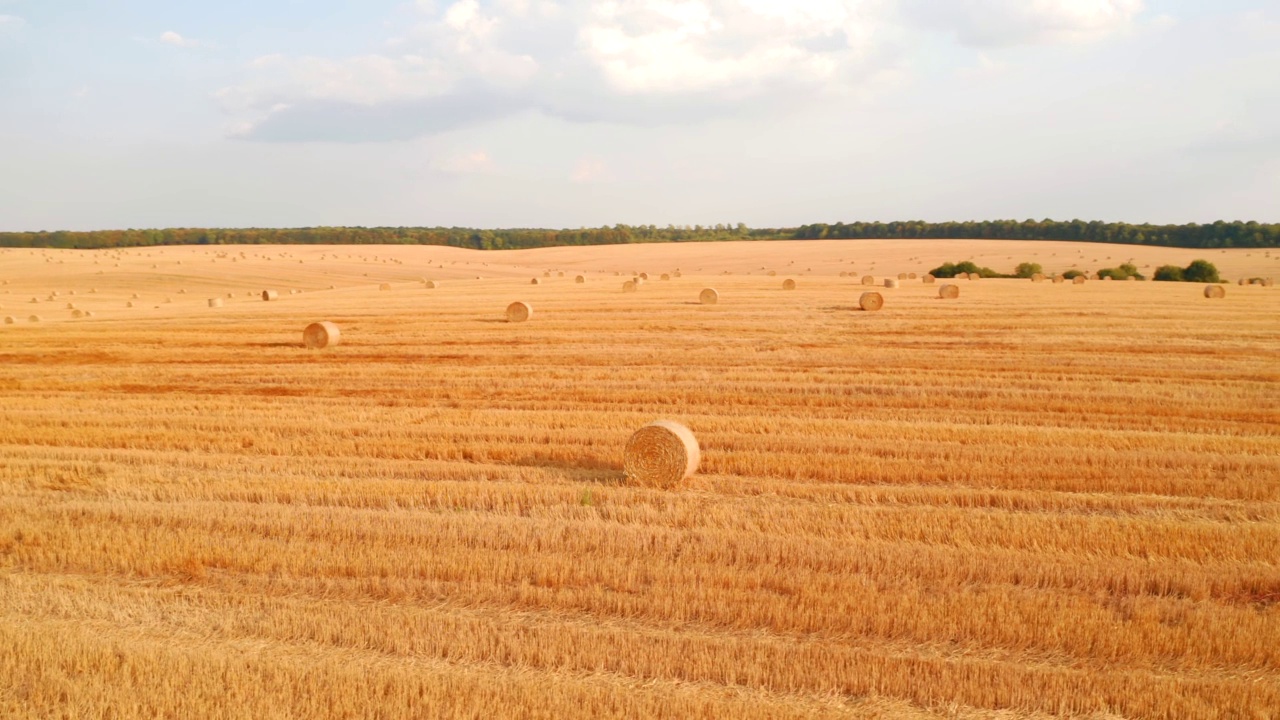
[
  {"x": 215, "y": 302},
  {"x": 928, "y": 279},
  {"x": 890, "y": 283},
  {"x": 708, "y": 296},
  {"x": 519, "y": 312},
  {"x": 1078, "y": 280},
  {"x": 579, "y": 279},
  {"x": 868, "y": 280},
  {"x": 320, "y": 335},
  {"x": 629, "y": 286},
  {"x": 661, "y": 454},
  {"x": 788, "y": 284},
  {"x": 871, "y": 301},
  {"x": 268, "y": 295},
  {"x": 1037, "y": 277},
  {"x": 947, "y": 291},
  {"x": 1214, "y": 291}
]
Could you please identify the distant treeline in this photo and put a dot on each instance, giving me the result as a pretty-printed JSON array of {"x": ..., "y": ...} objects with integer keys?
[{"x": 1217, "y": 235}]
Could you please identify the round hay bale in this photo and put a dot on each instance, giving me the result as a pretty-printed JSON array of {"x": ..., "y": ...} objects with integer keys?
[
  {"x": 947, "y": 291},
  {"x": 1107, "y": 279},
  {"x": 384, "y": 286},
  {"x": 661, "y": 454},
  {"x": 546, "y": 274},
  {"x": 1131, "y": 278},
  {"x": 93, "y": 291},
  {"x": 902, "y": 276},
  {"x": 868, "y": 280},
  {"x": 629, "y": 286},
  {"x": 35, "y": 300},
  {"x": 1214, "y": 291},
  {"x": 268, "y": 295},
  {"x": 319, "y": 335},
  {"x": 773, "y": 273},
  {"x": 871, "y": 301},
  {"x": 215, "y": 302},
  {"x": 429, "y": 284},
  {"x": 53, "y": 294},
  {"x": 559, "y": 274},
  {"x": 638, "y": 280},
  {"x": 644, "y": 276},
  {"x": 129, "y": 304},
  {"x": 676, "y": 274},
  {"x": 788, "y": 284},
  {"x": 1057, "y": 279},
  {"x": 911, "y": 276},
  {"x": 664, "y": 276},
  {"x": 580, "y": 279},
  {"x": 708, "y": 296},
  {"x": 71, "y": 292},
  {"x": 136, "y": 296},
  {"x": 71, "y": 306},
  {"x": 519, "y": 312},
  {"x": 9, "y": 320},
  {"x": 975, "y": 276},
  {"x": 77, "y": 314},
  {"x": 1037, "y": 277},
  {"x": 844, "y": 274},
  {"x": 890, "y": 283},
  {"x": 1078, "y": 280},
  {"x": 35, "y": 318},
  {"x": 88, "y": 313},
  {"x": 928, "y": 279},
  {"x": 1242, "y": 282},
  {"x": 182, "y": 291},
  {"x": 535, "y": 281}
]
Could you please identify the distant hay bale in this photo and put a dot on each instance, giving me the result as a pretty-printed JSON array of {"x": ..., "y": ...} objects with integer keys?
[
  {"x": 844, "y": 274},
  {"x": 708, "y": 296},
  {"x": 293, "y": 291},
  {"x": 182, "y": 291},
  {"x": 868, "y": 280},
  {"x": 580, "y": 279},
  {"x": 546, "y": 274},
  {"x": 93, "y": 291},
  {"x": 53, "y": 294},
  {"x": 788, "y": 284},
  {"x": 77, "y": 314},
  {"x": 1058, "y": 279},
  {"x": 9, "y": 320},
  {"x": 644, "y": 276},
  {"x": 429, "y": 284},
  {"x": 129, "y": 304},
  {"x": 928, "y": 279},
  {"x": 71, "y": 292},
  {"x": 911, "y": 276},
  {"x": 560, "y": 274},
  {"x": 1078, "y": 280},
  {"x": 871, "y": 301},
  {"x": 1107, "y": 279},
  {"x": 88, "y": 313},
  {"x": 890, "y": 283},
  {"x": 215, "y": 302},
  {"x": 664, "y": 276},
  {"x": 947, "y": 291},
  {"x": 535, "y": 281},
  {"x": 1268, "y": 282},
  {"x": 35, "y": 318},
  {"x": 629, "y": 286},
  {"x": 1214, "y": 291},
  {"x": 1037, "y": 277},
  {"x": 773, "y": 273},
  {"x": 320, "y": 335},
  {"x": 519, "y": 312},
  {"x": 384, "y": 286},
  {"x": 975, "y": 276},
  {"x": 902, "y": 276},
  {"x": 638, "y": 280},
  {"x": 676, "y": 274},
  {"x": 661, "y": 454},
  {"x": 71, "y": 306},
  {"x": 136, "y": 296},
  {"x": 1243, "y": 282},
  {"x": 268, "y": 295}
]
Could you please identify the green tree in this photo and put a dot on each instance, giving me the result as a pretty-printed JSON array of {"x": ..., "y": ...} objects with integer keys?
[
  {"x": 1201, "y": 271},
  {"x": 1027, "y": 269},
  {"x": 1168, "y": 273}
]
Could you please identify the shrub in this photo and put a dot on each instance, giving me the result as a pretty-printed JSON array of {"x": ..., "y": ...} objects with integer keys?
[
  {"x": 950, "y": 270},
  {"x": 1027, "y": 269},
  {"x": 1168, "y": 273},
  {"x": 1124, "y": 272},
  {"x": 1201, "y": 271},
  {"x": 1072, "y": 274}
]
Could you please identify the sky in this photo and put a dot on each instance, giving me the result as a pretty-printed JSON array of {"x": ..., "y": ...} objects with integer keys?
[{"x": 563, "y": 113}]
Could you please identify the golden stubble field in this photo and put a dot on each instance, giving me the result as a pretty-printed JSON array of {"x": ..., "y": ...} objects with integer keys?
[{"x": 1035, "y": 500}]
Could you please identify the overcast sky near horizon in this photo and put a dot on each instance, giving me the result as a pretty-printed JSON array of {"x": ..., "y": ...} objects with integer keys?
[{"x": 560, "y": 113}]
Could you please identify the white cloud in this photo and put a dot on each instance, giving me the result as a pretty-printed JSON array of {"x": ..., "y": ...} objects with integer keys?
[
  {"x": 589, "y": 170},
  {"x": 466, "y": 163},
  {"x": 999, "y": 23},
  {"x": 11, "y": 21},
  {"x": 631, "y": 61},
  {"x": 172, "y": 38}
]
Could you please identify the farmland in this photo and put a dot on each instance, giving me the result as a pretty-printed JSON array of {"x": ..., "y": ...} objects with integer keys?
[{"x": 1034, "y": 500}]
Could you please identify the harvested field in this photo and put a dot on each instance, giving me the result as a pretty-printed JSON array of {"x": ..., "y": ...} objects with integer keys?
[{"x": 1034, "y": 500}]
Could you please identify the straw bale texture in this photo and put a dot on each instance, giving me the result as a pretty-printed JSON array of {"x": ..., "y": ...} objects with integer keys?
[
  {"x": 871, "y": 301},
  {"x": 320, "y": 335},
  {"x": 708, "y": 296},
  {"x": 947, "y": 291},
  {"x": 788, "y": 284},
  {"x": 1214, "y": 291},
  {"x": 661, "y": 454},
  {"x": 270, "y": 295},
  {"x": 519, "y": 312}
]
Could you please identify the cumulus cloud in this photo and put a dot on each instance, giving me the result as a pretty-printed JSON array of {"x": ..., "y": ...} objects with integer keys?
[
  {"x": 631, "y": 61},
  {"x": 172, "y": 38},
  {"x": 1003, "y": 23}
]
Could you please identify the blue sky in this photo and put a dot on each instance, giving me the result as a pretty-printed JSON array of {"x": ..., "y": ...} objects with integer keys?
[{"x": 562, "y": 113}]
